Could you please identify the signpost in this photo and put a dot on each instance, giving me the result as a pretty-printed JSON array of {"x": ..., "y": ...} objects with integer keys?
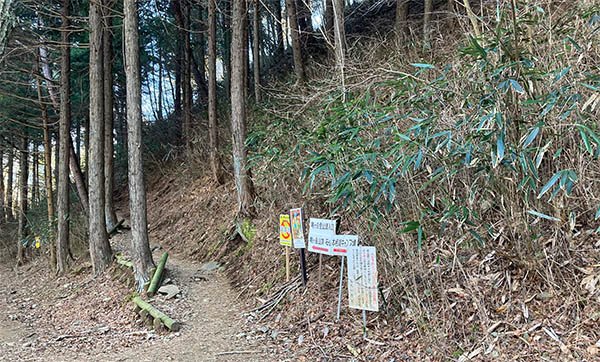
[
  {"x": 285, "y": 239},
  {"x": 298, "y": 239},
  {"x": 362, "y": 280}
]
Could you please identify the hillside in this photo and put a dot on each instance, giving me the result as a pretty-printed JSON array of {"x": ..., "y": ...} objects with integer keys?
[{"x": 458, "y": 139}]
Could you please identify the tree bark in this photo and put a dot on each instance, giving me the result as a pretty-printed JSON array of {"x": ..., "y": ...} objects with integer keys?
[
  {"x": 9, "y": 185},
  {"x": 239, "y": 43},
  {"x": 340, "y": 40},
  {"x": 34, "y": 174},
  {"x": 64, "y": 156},
  {"x": 279, "y": 50},
  {"x": 187, "y": 76},
  {"x": 213, "y": 131},
  {"x": 109, "y": 208},
  {"x": 48, "y": 176},
  {"x": 2, "y": 204},
  {"x": 23, "y": 189},
  {"x": 427, "y": 24},
  {"x": 256, "y": 50},
  {"x": 100, "y": 250},
  {"x": 140, "y": 247},
  {"x": 402, "y": 18},
  {"x": 74, "y": 164},
  {"x": 295, "y": 35}
]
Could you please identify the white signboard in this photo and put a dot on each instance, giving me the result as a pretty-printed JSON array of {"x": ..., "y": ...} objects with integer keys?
[
  {"x": 362, "y": 278},
  {"x": 321, "y": 235}
]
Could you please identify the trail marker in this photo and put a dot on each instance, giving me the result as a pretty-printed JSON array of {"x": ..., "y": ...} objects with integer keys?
[
  {"x": 297, "y": 229},
  {"x": 285, "y": 239},
  {"x": 298, "y": 240}
]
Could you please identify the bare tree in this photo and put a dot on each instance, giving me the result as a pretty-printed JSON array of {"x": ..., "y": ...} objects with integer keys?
[
  {"x": 2, "y": 205},
  {"x": 23, "y": 189},
  {"x": 239, "y": 44},
  {"x": 256, "y": 50},
  {"x": 109, "y": 208},
  {"x": 213, "y": 135},
  {"x": 427, "y": 24},
  {"x": 64, "y": 127},
  {"x": 100, "y": 251},
  {"x": 402, "y": 17},
  {"x": 295, "y": 34},
  {"x": 140, "y": 246}
]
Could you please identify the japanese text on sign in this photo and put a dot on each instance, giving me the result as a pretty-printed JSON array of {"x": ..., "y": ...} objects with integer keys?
[
  {"x": 321, "y": 235},
  {"x": 362, "y": 278}
]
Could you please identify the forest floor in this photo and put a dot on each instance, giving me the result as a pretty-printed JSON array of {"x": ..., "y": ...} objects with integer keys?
[{"x": 80, "y": 318}]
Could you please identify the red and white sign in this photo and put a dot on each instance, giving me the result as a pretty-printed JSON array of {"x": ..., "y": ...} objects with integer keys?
[{"x": 321, "y": 235}]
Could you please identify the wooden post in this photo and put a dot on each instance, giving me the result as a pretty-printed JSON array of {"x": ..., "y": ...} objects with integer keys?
[{"x": 287, "y": 263}]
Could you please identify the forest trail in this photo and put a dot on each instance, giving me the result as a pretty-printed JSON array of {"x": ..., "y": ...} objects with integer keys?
[{"x": 39, "y": 321}]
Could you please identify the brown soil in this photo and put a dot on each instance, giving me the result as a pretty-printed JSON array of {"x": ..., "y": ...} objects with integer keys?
[{"x": 78, "y": 318}]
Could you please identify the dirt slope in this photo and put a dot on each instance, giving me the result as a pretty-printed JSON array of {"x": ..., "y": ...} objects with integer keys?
[{"x": 78, "y": 318}]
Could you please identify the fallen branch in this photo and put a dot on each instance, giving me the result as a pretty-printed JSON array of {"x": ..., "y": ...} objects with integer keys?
[
  {"x": 235, "y": 352},
  {"x": 157, "y": 314}
]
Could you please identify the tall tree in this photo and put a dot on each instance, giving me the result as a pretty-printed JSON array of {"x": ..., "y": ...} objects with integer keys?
[
  {"x": 140, "y": 247},
  {"x": 48, "y": 175},
  {"x": 239, "y": 45},
  {"x": 23, "y": 189},
  {"x": 256, "y": 50},
  {"x": 279, "y": 48},
  {"x": 340, "y": 40},
  {"x": 213, "y": 135},
  {"x": 427, "y": 24},
  {"x": 100, "y": 251},
  {"x": 295, "y": 34},
  {"x": 9, "y": 184},
  {"x": 187, "y": 75},
  {"x": 64, "y": 128},
  {"x": 402, "y": 17},
  {"x": 107, "y": 55},
  {"x": 2, "y": 205}
]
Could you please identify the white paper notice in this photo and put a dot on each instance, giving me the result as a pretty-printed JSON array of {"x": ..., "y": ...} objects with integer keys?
[{"x": 362, "y": 278}]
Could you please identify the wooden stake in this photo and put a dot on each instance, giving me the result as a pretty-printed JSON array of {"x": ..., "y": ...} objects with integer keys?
[
  {"x": 303, "y": 267},
  {"x": 287, "y": 263},
  {"x": 339, "y": 308},
  {"x": 320, "y": 271}
]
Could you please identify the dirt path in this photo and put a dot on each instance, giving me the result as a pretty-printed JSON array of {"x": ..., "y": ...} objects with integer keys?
[{"x": 76, "y": 319}]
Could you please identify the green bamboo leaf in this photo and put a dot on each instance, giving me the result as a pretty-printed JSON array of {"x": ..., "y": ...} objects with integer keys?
[
  {"x": 516, "y": 86},
  {"x": 543, "y": 216},
  {"x": 549, "y": 184},
  {"x": 422, "y": 65},
  {"x": 531, "y": 137},
  {"x": 597, "y": 216}
]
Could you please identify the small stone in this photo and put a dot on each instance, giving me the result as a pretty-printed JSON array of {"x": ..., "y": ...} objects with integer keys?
[
  {"x": 27, "y": 344},
  {"x": 170, "y": 290},
  {"x": 210, "y": 266},
  {"x": 300, "y": 339},
  {"x": 274, "y": 334}
]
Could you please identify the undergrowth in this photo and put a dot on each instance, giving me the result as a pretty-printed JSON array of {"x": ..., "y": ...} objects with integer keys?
[{"x": 472, "y": 167}]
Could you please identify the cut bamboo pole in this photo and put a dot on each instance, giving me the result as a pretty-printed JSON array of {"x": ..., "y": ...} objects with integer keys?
[
  {"x": 157, "y": 314},
  {"x": 156, "y": 279}
]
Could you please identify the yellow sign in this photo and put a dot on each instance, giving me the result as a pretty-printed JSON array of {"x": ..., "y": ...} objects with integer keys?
[
  {"x": 285, "y": 230},
  {"x": 37, "y": 242}
]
